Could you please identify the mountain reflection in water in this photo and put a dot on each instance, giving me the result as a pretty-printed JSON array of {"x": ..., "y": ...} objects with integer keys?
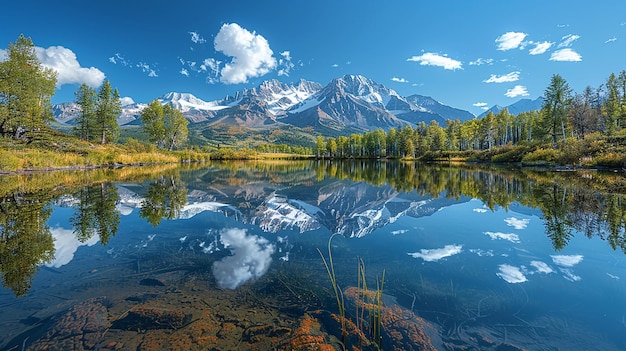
[{"x": 489, "y": 258}]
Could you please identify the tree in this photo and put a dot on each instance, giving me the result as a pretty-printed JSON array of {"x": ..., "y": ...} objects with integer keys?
[
  {"x": 108, "y": 108},
  {"x": 583, "y": 116},
  {"x": 86, "y": 99},
  {"x": 25, "y": 90},
  {"x": 176, "y": 131},
  {"x": 611, "y": 106},
  {"x": 320, "y": 146},
  {"x": 556, "y": 100}
]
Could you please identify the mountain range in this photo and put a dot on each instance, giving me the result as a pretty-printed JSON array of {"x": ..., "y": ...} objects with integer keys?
[{"x": 348, "y": 104}]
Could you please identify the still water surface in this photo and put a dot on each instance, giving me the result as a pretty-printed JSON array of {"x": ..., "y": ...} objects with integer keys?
[{"x": 226, "y": 257}]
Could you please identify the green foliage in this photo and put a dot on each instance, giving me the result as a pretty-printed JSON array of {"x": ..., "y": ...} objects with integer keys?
[
  {"x": 25, "y": 90},
  {"x": 541, "y": 156},
  {"x": 85, "y": 124},
  {"x": 108, "y": 107}
]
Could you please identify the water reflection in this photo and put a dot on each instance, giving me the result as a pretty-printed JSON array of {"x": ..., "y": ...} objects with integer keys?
[{"x": 463, "y": 245}]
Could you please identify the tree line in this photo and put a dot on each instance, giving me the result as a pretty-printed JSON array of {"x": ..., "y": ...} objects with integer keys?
[{"x": 563, "y": 115}]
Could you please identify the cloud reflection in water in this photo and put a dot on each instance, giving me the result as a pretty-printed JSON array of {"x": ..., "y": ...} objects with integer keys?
[{"x": 251, "y": 258}]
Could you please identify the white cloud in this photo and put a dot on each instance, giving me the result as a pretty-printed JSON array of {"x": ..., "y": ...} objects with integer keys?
[
  {"x": 66, "y": 244},
  {"x": 69, "y": 71},
  {"x": 481, "y": 253},
  {"x": 567, "y": 261},
  {"x": 566, "y": 55},
  {"x": 250, "y": 54},
  {"x": 480, "y": 104},
  {"x": 251, "y": 257},
  {"x": 511, "y": 274},
  {"x": 184, "y": 72},
  {"x": 147, "y": 69},
  {"x": 126, "y": 100},
  {"x": 480, "y": 210},
  {"x": 509, "y": 77},
  {"x": 541, "y": 267},
  {"x": 3, "y": 55},
  {"x": 510, "y": 40},
  {"x": 567, "y": 40},
  {"x": 432, "y": 59},
  {"x": 514, "y": 238},
  {"x": 610, "y": 40},
  {"x": 400, "y": 231},
  {"x": 517, "y": 223},
  {"x": 569, "y": 275},
  {"x": 334, "y": 65},
  {"x": 613, "y": 276},
  {"x": 399, "y": 80},
  {"x": 481, "y": 61},
  {"x": 284, "y": 64},
  {"x": 541, "y": 48},
  {"x": 437, "y": 254},
  {"x": 119, "y": 59},
  {"x": 518, "y": 90},
  {"x": 196, "y": 38}
]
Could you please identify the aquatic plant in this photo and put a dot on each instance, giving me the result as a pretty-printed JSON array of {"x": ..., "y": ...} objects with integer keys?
[
  {"x": 330, "y": 269},
  {"x": 369, "y": 303}
]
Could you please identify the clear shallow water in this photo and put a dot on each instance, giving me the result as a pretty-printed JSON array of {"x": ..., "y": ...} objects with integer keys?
[{"x": 232, "y": 236}]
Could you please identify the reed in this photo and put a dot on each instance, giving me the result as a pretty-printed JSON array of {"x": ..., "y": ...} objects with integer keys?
[{"x": 330, "y": 269}]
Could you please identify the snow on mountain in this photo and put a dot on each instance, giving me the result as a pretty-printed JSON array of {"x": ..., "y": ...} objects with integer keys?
[
  {"x": 186, "y": 102},
  {"x": 280, "y": 214}
]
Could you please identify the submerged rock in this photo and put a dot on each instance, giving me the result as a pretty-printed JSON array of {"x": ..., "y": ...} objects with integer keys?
[
  {"x": 144, "y": 317},
  {"x": 80, "y": 328}
]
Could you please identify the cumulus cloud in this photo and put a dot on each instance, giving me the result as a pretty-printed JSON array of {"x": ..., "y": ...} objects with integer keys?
[
  {"x": 517, "y": 223},
  {"x": 509, "y": 77},
  {"x": 250, "y": 54},
  {"x": 511, "y": 274},
  {"x": 251, "y": 258},
  {"x": 481, "y": 61},
  {"x": 510, "y": 40},
  {"x": 196, "y": 38},
  {"x": 284, "y": 64},
  {"x": 127, "y": 100},
  {"x": 514, "y": 238},
  {"x": 431, "y": 255},
  {"x": 518, "y": 90},
  {"x": 399, "y": 80},
  {"x": 432, "y": 59},
  {"x": 541, "y": 48},
  {"x": 541, "y": 267},
  {"x": 184, "y": 72},
  {"x": 69, "y": 71},
  {"x": 566, "y": 55},
  {"x": 567, "y": 40},
  {"x": 567, "y": 260},
  {"x": 66, "y": 244}
]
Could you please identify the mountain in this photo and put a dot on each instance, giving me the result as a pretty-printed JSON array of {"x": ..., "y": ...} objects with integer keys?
[
  {"x": 351, "y": 103},
  {"x": 433, "y": 106},
  {"x": 524, "y": 105}
]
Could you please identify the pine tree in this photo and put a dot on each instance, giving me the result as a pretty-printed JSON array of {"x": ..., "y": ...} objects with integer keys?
[
  {"x": 86, "y": 99},
  {"x": 108, "y": 108}
]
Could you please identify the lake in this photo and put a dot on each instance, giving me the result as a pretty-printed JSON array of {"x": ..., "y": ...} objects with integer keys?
[{"x": 313, "y": 255}]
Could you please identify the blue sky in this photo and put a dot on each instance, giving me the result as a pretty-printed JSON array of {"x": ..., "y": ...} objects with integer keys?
[{"x": 466, "y": 54}]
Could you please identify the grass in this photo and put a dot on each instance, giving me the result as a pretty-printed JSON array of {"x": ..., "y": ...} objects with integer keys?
[{"x": 369, "y": 303}]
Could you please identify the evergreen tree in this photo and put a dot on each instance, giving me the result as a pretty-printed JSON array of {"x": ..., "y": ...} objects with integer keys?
[
  {"x": 86, "y": 99},
  {"x": 108, "y": 108},
  {"x": 556, "y": 100},
  {"x": 25, "y": 90}
]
